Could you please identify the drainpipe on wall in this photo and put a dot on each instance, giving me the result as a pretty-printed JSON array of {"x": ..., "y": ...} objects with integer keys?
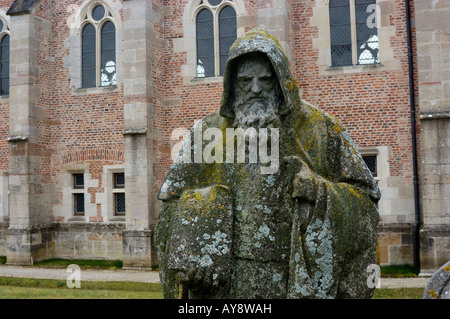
[{"x": 416, "y": 226}]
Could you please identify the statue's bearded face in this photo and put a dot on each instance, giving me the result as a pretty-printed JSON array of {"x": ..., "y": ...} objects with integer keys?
[{"x": 257, "y": 99}]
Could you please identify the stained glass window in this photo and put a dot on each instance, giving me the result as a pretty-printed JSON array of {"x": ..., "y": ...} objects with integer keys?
[
  {"x": 4, "y": 65},
  {"x": 353, "y": 36},
  {"x": 216, "y": 30},
  {"x": 205, "y": 44},
  {"x": 340, "y": 33},
  {"x": 214, "y": 2},
  {"x": 366, "y": 33},
  {"x": 88, "y": 56},
  {"x": 98, "y": 13},
  {"x": 227, "y": 34},
  {"x": 108, "y": 54},
  {"x": 98, "y": 43}
]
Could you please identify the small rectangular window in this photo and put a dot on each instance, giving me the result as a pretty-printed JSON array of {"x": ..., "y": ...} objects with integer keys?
[
  {"x": 78, "y": 181},
  {"x": 78, "y": 200},
  {"x": 78, "y": 194},
  {"x": 371, "y": 162},
  {"x": 119, "y": 204},
  {"x": 119, "y": 194},
  {"x": 119, "y": 180}
]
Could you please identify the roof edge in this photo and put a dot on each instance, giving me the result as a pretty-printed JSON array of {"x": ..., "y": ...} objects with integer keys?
[{"x": 21, "y": 7}]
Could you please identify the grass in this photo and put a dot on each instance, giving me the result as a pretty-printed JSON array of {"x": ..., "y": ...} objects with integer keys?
[
  {"x": 84, "y": 264},
  {"x": 399, "y": 271},
  {"x": 398, "y": 293},
  {"x": 25, "y": 288}
]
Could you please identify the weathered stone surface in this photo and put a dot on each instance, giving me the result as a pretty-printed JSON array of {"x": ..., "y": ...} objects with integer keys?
[
  {"x": 21, "y": 6},
  {"x": 439, "y": 285},
  {"x": 306, "y": 229}
]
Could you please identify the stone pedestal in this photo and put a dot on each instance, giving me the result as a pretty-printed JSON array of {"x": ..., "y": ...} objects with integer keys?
[
  {"x": 26, "y": 246},
  {"x": 434, "y": 247},
  {"x": 138, "y": 252}
]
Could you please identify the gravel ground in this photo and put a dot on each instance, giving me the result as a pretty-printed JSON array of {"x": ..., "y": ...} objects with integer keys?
[
  {"x": 153, "y": 276},
  {"x": 89, "y": 275},
  {"x": 419, "y": 282}
]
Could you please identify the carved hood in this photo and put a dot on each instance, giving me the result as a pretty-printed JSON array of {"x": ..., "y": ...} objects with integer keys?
[{"x": 259, "y": 40}]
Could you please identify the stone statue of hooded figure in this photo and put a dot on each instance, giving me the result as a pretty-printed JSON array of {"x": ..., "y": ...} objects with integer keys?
[{"x": 228, "y": 229}]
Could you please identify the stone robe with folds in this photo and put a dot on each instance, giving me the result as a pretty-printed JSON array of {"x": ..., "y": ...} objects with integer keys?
[{"x": 307, "y": 231}]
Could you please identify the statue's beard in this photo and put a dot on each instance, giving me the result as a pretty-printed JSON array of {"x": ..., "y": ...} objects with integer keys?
[{"x": 257, "y": 112}]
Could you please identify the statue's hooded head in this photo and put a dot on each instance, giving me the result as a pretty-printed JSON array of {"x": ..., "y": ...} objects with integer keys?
[{"x": 258, "y": 52}]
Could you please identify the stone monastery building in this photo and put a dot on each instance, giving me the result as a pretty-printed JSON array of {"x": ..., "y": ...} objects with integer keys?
[{"x": 94, "y": 95}]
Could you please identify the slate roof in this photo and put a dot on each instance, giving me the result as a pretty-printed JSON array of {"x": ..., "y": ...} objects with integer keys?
[{"x": 21, "y": 6}]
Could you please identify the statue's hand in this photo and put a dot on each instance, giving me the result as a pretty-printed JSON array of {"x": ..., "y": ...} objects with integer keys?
[
  {"x": 303, "y": 182},
  {"x": 306, "y": 184},
  {"x": 203, "y": 279}
]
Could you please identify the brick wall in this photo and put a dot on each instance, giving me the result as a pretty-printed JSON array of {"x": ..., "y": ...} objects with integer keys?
[
  {"x": 81, "y": 125},
  {"x": 4, "y": 111},
  {"x": 374, "y": 106},
  {"x": 85, "y": 126},
  {"x": 372, "y": 103}
]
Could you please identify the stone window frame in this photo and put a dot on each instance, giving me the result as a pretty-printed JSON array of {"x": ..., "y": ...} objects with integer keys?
[
  {"x": 117, "y": 190},
  {"x": 375, "y": 172},
  {"x": 215, "y": 10},
  {"x": 73, "y": 61},
  {"x": 354, "y": 30},
  {"x": 5, "y": 31},
  {"x": 372, "y": 151},
  {"x": 108, "y": 205},
  {"x": 78, "y": 190},
  {"x": 382, "y": 154},
  {"x": 4, "y": 196},
  {"x": 188, "y": 44},
  {"x": 321, "y": 20},
  {"x": 65, "y": 180}
]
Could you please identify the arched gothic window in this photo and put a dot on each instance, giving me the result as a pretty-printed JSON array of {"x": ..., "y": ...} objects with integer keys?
[
  {"x": 216, "y": 30},
  {"x": 98, "y": 48},
  {"x": 4, "y": 58},
  {"x": 353, "y": 32}
]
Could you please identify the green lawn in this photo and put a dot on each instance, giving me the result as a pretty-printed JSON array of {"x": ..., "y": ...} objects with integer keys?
[
  {"x": 24, "y": 288},
  {"x": 83, "y": 263},
  {"x": 399, "y": 271},
  {"x": 400, "y": 293}
]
